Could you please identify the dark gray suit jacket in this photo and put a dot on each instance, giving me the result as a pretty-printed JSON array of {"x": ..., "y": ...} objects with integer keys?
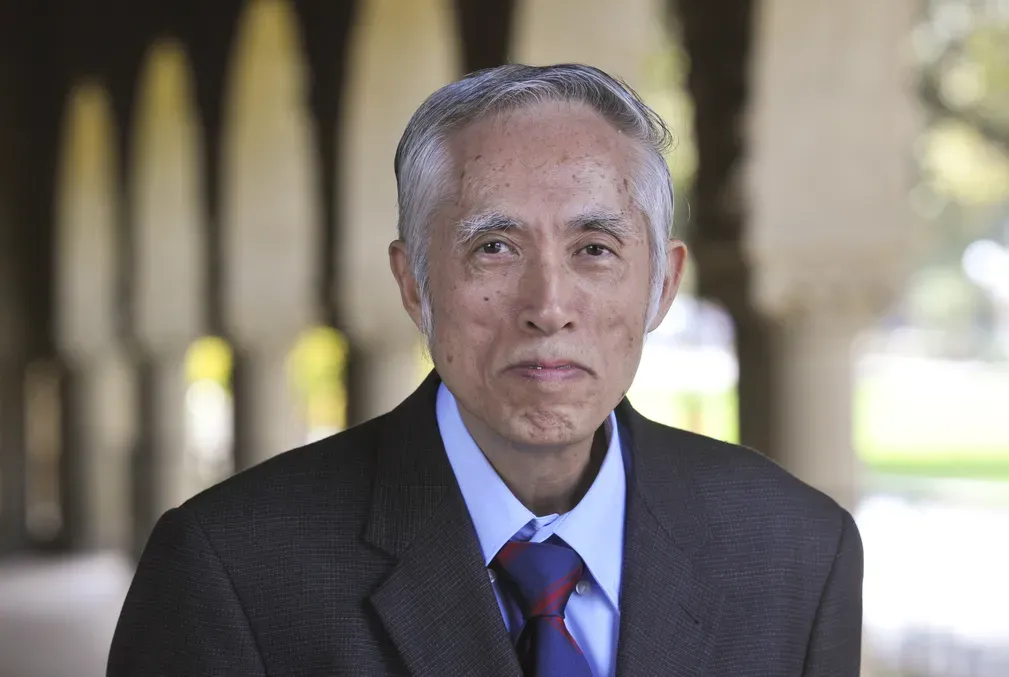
[{"x": 356, "y": 556}]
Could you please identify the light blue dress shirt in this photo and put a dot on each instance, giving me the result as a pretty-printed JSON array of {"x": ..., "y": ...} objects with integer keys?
[{"x": 594, "y": 528}]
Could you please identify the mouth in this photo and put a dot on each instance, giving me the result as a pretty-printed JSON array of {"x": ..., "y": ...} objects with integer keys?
[{"x": 549, "y": 369}]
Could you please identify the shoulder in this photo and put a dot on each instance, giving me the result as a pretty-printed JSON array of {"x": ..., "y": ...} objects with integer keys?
[
  {"x": 739, "y": 490},
  {"x": 331, "y": 476},
  {"x": 760, "y": 529}
]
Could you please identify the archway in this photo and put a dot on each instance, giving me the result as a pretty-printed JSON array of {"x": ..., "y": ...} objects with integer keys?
[
  {"x": 270, "y": 208},
  {"x": 101, "y": 395},
  {"x": 170, "y": 272},
  {"x": 399, "y": 54}
]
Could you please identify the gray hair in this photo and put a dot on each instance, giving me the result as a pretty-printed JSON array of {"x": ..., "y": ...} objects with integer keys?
[{"x": 422, "y": 159}]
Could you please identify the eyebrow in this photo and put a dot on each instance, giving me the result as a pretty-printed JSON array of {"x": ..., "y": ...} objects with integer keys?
[
  {"x": 604, "y": 222},
  {"x": 488, "y": 222}
]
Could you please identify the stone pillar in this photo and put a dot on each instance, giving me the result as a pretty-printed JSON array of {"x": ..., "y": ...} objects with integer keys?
[
  {"x": 400, "y": 53},
  {"x": 268, "y": 420},
  {"x": 386, "y": 374},
  {"x": 101, "y": 384},
  {"x": 103, "y": 389},
  {"x": 813, "y": 379},
  {"x": 170, "y": 272},
  {"x": 13, "y": 331},
  {"x": 12, "y": 457},
  {"x": 270, "y": 237},
  {"x": 717, "y": 37},
  {"x": 485, "y": 29},
  {"x": 831, "y": 129},
  {"x": 168, "y": 387}
]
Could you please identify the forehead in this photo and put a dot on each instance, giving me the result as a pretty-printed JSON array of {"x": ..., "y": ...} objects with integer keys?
[{"x": 554, "y": 153}]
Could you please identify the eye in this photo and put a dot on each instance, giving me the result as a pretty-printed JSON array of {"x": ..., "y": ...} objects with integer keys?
[
  {"x": 493, "y": 247},
  {"x": 596, "y": 250}
]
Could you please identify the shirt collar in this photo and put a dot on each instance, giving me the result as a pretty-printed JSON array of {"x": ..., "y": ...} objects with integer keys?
[{"x": 594, "y": 527}]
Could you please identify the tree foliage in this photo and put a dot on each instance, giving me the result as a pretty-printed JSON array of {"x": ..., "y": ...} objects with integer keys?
[{"x": 962, "y": 47}]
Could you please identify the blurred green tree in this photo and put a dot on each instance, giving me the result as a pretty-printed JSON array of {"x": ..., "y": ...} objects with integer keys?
[{"x": 962, "y": 50}]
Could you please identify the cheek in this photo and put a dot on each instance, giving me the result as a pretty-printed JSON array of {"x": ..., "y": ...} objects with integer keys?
[
  {"x": 621, "y": 329},
  {"x": 617, "y": 302},
  {"x": 485, "y": 297},
  {"x": 466, "y": 321}
]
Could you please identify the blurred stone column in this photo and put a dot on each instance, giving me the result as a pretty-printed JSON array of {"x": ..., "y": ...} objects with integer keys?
[
  {"x": 812, "y": 381},
  {"x": 102, "y": 387},
  {"x": 267, "y": 420},
  {"x": 166, "y": 386},
  {"x": 618, "y": 37},
  {"x": 270, "y": 239},
  {"x": 170, "y": 274},
  {"x": 100, "y": 384},
  {"x": 13, "y": 365},
  {"x": 831, "y": 126},
  {"x": 13, "y": 362},
  {"x": 385, "y": 374},
  {"x": 12, "y": 456},
  {"x": 400, "y": 53},
  {"x": 12, "y": 320},
  {"x": 16, "y": 310}
]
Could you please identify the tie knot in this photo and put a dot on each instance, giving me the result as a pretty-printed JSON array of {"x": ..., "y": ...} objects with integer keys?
[{"x": 543, "y": 574}]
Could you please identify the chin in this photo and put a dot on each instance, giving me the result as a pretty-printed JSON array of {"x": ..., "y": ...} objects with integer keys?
[{"x": 550, "y": 426}]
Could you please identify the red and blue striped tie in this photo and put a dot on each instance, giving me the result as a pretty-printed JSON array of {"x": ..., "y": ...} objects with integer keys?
[{"x": 541, "y": 577}]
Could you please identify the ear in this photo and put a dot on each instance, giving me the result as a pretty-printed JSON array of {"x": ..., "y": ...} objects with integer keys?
[
  {"x": 676, "y": 253},
  {"x": 409, "y": 291}
]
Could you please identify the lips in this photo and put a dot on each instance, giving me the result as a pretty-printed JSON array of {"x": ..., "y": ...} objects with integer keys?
[{"x": 537, "y": 365}]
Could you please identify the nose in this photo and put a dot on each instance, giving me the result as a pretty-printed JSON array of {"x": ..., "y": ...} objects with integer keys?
[{"x": 546, "y": 297}]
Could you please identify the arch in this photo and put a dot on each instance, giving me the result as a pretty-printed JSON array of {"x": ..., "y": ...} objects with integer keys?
[
  {"x": 86, "y": 207},
  {"x": 270, "y": 203},
  {"x": 100, "y": 389},
  {"x": 544, "y": 34},
  {"x": 270, "y": 213},
  {"x": 168, "y": 217},
  {"x": 399, "y": 54}
]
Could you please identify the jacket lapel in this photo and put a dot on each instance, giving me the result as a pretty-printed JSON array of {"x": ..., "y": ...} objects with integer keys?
[
  {"x": 438, "y": 605},
  {"x": 668, "y": 612}
]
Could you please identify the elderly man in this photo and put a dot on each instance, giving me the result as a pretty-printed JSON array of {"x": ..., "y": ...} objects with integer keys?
[{"x": 514, "y": 516}]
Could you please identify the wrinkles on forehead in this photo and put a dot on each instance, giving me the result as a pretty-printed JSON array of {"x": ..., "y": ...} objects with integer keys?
[
  {"x": 558, "y": 157},
  {"x": 554, "y": 131}
]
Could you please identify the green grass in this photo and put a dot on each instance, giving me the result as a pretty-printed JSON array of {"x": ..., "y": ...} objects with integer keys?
[
  {"x": 963, "y": 467},
  {"x": 954, "y": 426}
]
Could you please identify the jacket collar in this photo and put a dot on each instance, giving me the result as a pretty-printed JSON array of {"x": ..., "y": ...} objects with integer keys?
[
  {"x": 438, "y": 605},
  {"x": 669, "y": 608}
]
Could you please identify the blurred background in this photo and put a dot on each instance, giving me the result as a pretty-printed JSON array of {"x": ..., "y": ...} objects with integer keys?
[{"x": 196, "y": 199}]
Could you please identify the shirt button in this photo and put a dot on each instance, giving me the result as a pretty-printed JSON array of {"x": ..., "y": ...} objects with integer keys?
[
  {"x": 493, "y": 576},
  {"x": 583, "y": 587}
]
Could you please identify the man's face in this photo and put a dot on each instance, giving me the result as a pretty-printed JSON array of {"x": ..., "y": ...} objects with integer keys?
[{"x": 539, "y": 274}]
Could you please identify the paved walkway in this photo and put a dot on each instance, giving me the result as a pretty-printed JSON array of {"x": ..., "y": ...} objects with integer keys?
[{"x": 57, "y": 616}]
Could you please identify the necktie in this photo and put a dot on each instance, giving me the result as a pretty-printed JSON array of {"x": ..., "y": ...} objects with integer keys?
[{"x": 542, "y": 576}]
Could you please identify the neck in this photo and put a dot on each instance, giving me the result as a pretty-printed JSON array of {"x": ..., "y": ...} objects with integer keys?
[{"x": 546, "y": 480}]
